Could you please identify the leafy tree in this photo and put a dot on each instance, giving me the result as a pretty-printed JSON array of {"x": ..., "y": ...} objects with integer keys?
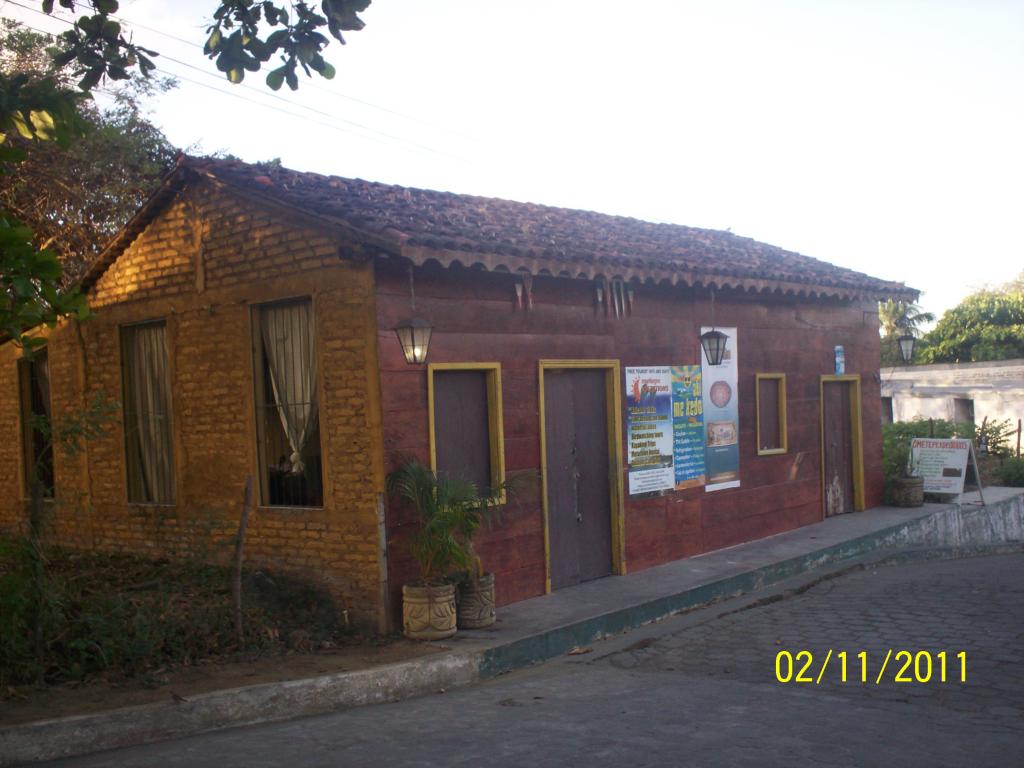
[
  {"x": 1016, "y": 285},
  {"x": 76, "y": 197},
  {"x": 30, "y": 290},
  {"x": 244, "y": 35},
  {"x": 988, "y": 325},
  {"x": 898, "y": 317}
]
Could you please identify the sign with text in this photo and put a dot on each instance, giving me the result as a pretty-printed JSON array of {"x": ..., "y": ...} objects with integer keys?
[
  {"x": 649, "y": 429},
  {"x": 721, "y": 417},
  {"x": 687, "y": 426},
  {"x": 942, "y": 463}
]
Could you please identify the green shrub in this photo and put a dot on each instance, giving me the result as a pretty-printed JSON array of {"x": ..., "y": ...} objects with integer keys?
[
  {"x": 1011, "y": 473},
  {"x": 896, "y": 439},
  {"x": 996, "y": 435},
  {"x": 124, "y": 616}
]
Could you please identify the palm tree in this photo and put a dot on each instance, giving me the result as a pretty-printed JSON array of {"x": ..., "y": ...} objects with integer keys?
[{"x": 902, "y": 317}]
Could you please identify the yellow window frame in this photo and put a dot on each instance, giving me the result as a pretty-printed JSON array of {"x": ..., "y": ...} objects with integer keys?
[
  {"x": 783, "y": 437},
  {"x": 495, "y": 419}
]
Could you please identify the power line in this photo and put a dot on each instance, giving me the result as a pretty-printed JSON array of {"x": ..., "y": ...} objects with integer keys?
[
  {"x": 310, "y": 84},
  {"x": 386, "y": 136}
]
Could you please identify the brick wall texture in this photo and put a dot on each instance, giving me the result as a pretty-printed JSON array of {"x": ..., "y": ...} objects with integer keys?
[
  {"x": 475, "y": 319},
  {"x": 212, "y": 253},
  {"x": 200, "y": 266}
]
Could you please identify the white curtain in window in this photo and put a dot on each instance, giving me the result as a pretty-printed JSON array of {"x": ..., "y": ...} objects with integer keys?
[
  {"x": 287, "y": 331},
  {"x": 42, "y": 364},
  {"x": 148, "y": 407}
]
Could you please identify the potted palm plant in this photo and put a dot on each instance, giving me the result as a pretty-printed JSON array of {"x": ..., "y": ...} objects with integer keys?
[
  {"x": 475, "y": 598},
  {"x": 443, "y": 505}
]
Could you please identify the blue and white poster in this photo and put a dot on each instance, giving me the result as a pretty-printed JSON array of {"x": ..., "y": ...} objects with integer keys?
[
  {"x": 721, "y": 417},
  {"x": 649, "y": 429},
  {"x": 687, "y": 426}
]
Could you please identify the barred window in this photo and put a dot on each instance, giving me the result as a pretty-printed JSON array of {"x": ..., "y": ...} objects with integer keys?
[
  {"x": 37, "y": 446},
  {"x": 146, "y": 385},
  {"x": 287, "y": 412}
]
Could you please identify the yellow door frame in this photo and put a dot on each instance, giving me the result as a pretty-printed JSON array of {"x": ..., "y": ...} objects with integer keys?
[
  {"x": 856, "y": 438},
  {"x": 613, "y": 399}
]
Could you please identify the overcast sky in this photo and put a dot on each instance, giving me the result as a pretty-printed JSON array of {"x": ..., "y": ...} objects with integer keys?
[{"x": 886, "y": 136}]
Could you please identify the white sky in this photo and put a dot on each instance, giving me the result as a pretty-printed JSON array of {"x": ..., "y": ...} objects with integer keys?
[{"x": 884, "y": 136}]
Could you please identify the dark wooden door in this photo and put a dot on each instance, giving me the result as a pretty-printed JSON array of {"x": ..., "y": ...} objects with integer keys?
[
  {"x": 461, "y": 427},
  {"x": 579, "y": 496},
  {"x": 837, "y": 438}
]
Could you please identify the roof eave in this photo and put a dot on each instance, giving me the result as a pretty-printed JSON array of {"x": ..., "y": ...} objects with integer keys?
[{"x": 650, "y": 275}]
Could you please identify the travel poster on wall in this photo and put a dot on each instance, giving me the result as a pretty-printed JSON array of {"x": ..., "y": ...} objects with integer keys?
[
  {"x": 649, "y": 429},
  {"x": 687, "y": 426},
  {"x": 721, "y": 417}
]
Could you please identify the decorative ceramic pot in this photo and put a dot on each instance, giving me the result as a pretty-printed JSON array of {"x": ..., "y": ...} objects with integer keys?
[
  {"x": 476, "y": 602},
  {"x": 907, "y": 491},
  {"x": 428, "y": 612}
]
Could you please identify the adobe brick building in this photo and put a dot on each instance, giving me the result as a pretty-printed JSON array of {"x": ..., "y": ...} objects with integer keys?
[{"x": 245, "y": 322}]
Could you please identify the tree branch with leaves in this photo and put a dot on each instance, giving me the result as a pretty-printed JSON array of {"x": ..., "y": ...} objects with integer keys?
[{"x": 244, "y": 36}]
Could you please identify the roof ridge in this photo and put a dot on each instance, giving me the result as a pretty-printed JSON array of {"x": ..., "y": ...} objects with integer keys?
[{"x": 509, "y": 235}]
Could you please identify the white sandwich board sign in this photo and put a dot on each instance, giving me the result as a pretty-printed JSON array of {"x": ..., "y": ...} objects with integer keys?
[{"x": 941, "y": 462}]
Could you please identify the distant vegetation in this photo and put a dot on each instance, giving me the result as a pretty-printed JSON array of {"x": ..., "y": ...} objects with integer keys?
[{"x": 987, "y": 325}]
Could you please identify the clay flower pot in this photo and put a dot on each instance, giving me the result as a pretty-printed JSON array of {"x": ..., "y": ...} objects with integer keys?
[
  {"x": 428, "y": 612},
  {"x": 907, "y": 491},
  {"x": 476, "y": 602}
]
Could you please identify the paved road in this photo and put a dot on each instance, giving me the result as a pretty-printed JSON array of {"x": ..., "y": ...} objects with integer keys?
[{"x": 701, "y": 690}]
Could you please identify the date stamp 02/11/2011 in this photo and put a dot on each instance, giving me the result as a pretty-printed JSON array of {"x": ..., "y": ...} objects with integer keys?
[{"x": 906, "y": 667}]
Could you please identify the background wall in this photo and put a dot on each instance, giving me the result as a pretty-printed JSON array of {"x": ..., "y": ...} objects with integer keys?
[
  {"x": 475, "y": 319},
  {"x": 200, "y": 266},
  {"x": 928, "y": 391}
]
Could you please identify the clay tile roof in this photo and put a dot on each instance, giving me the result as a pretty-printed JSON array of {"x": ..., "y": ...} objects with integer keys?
[{"x": 503, "y": 235}]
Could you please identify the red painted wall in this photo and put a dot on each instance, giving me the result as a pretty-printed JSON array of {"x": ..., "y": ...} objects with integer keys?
[{"x": 475, "y": 319}]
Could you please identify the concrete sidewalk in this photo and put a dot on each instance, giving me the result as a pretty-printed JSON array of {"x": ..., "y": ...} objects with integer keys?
[{"x": 542, "y": 628}]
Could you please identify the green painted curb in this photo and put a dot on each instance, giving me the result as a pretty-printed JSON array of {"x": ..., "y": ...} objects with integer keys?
[{"x": 560, "y": 640}]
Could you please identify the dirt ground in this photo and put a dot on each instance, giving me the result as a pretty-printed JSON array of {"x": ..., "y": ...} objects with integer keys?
[{"x": 25, "y": 704}]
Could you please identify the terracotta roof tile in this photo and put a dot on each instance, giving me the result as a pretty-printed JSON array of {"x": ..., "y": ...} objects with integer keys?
[{"x": 501, "y": 234}]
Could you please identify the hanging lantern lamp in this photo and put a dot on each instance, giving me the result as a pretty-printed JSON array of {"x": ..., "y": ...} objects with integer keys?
[
  {"x": 713, "y": 342},
  {"x": 906, "y": 343},
  {"x": 414, "y": 333}
]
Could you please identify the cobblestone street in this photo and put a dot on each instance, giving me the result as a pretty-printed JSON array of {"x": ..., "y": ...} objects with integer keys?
[
  {"x": 975, "y": 606},
  {"x": 700, "y": 689}
]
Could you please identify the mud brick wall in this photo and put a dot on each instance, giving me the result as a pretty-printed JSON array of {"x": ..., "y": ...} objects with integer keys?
[
  {"x": 200, "y": 266},
  {"x": 474, "y": 319}
]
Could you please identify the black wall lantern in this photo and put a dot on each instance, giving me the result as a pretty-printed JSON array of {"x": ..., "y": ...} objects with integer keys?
[
  {"x": 906, "y": 343},
  {"x": 713, "y": 342},
  {"x": 414, "y": 333}
]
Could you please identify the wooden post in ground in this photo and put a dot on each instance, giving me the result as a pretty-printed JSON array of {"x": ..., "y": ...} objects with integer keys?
[{"x": 236, "y": 582}]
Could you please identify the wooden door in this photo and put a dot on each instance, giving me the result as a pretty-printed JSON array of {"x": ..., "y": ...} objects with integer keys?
[
  {"x": 462, "y": 439},
  {"x": 837, "y": 446},
  {"x": 578, "y": 482}
]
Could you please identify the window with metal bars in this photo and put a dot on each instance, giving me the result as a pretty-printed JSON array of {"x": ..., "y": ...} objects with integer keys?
[{"x": 37, "y": 446}]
